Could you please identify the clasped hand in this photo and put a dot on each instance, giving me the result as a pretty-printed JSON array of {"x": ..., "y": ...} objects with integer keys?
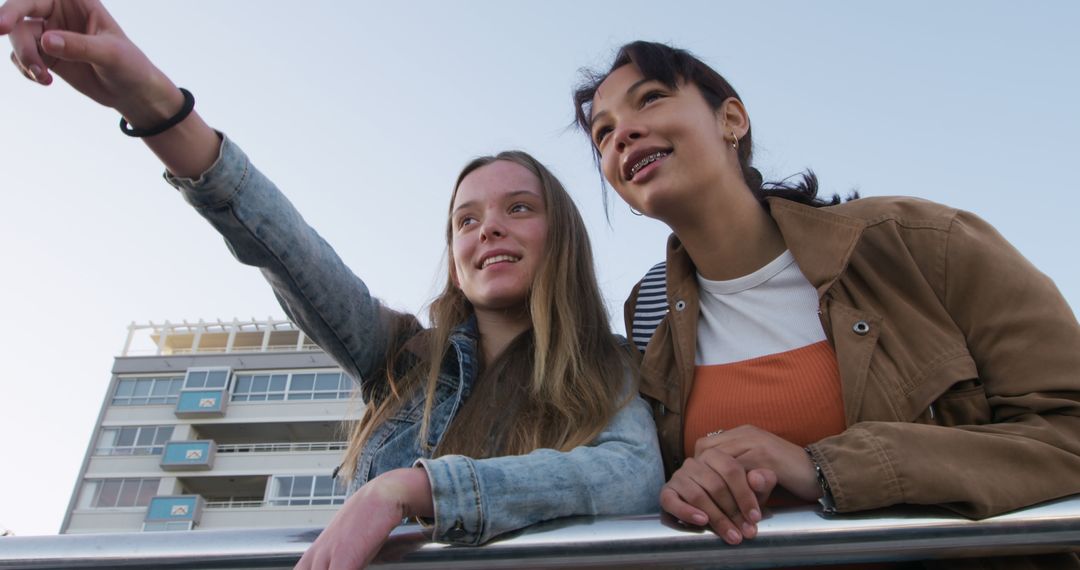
[{"x": 731, "y": 474}]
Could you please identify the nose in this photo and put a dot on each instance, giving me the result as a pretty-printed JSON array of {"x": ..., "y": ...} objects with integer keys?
[
  {"x": 491, "y": 229},
  {"x": 626, "y": 134}
]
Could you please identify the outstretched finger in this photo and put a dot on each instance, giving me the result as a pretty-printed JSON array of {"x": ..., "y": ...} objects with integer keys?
[
  {"x": 24, "y": 43},
  {"x": 83, "y": 48},
  {"x": 19, "y": 66},
  {"x": 14, "y": 11}
]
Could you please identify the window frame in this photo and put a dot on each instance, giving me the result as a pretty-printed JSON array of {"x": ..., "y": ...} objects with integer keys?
[
  {"x": 338, "y": 491},
  {"x": 245, "y": 381},
  {"x": 154, "y": 448},
  {"x": 170, "y": 397},
  {"x": 147, "y": 488}
]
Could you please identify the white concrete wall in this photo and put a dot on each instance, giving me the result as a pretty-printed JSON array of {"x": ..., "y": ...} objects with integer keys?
[
  {"x": 85, "y": 521},
  {"x": 274, "y": 463},
  {"x": 107, "y": 520},
  {"x": 108, "y": 466},
  {"x": 267, "y": 517},
  {"x": 238, "y": 413}
]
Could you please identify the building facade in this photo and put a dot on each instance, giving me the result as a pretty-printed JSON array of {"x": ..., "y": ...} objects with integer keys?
[{"x": 215, "y": 426}]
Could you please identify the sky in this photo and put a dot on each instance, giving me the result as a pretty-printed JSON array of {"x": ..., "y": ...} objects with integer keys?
[{"x": 364, "y": 112}]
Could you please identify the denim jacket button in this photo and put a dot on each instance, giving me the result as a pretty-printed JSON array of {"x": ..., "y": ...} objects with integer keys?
[
  {"x": 456, "y": 533},
  {"x": 861, "y": 328}
]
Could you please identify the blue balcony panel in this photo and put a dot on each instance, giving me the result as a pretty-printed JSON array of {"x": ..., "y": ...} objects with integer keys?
[
  {"x": 189, "y": 455},
  {"x": 175, "y": 508},
  {"x": 201, "y": 404}
]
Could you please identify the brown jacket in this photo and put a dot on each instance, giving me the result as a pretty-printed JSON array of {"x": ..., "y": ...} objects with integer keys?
[{"x": 963, "y": 391}]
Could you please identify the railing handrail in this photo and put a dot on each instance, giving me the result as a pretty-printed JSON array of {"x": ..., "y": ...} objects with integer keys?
[
  {"x": 787, "y": 537},
  {"x": 282, "y": 446},
  {"x": 306, "y": 347},
  {"x": 252, "y": 504}
]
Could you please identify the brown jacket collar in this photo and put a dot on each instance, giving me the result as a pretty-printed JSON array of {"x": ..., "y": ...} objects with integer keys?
[{"x": 820, "y": 239}]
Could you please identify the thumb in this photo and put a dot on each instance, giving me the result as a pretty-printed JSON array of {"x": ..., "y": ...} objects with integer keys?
[
  {"x": 83, "y": 48},
  {"x": 762, "y": 481}
]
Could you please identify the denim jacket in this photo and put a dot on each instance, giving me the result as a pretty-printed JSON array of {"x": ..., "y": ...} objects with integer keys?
[{"x": 475, "y": 499}]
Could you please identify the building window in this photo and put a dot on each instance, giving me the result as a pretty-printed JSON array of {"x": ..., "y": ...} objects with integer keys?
[
  {"x": 206, "y": 378},
  {"x": 133, "y": 440},
  {"x": 147, "y": 391},
  {"x": 260, "y": 387},
  {"x": 306, "y": 490},
  {"x": 113, "y": 493},
  {"x": 292, "y": 386}
]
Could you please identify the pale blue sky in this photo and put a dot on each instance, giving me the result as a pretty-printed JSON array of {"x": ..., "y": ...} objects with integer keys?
[{"x": 364, "y": 112}]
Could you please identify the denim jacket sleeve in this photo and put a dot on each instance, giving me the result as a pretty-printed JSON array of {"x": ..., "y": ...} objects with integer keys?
[
  {"x": 618, "y": 473},
  {"x": 263, "y": 229}
]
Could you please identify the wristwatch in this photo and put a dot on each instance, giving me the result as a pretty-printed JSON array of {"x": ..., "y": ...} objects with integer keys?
[{"x": 826, "y": 500}]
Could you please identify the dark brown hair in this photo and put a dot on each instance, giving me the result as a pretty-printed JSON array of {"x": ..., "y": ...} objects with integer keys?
[{"x": 672, "y": 66}]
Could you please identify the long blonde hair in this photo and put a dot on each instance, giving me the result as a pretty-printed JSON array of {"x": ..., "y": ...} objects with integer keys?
[{"x": 555, "y": 386}]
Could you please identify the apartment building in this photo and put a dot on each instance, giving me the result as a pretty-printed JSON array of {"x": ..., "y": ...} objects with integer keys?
[{"x": 215, "y": 426}]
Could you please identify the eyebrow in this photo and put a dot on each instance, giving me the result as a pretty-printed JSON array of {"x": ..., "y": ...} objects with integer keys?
[
  {"x": 629, "y": 91},
  {"x": 471, "y": 203}
]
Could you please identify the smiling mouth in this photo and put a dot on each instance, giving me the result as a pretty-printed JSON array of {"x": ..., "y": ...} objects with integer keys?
[
  {"x": 647, "y": 161},
  {"x": 499, "y": 259}
]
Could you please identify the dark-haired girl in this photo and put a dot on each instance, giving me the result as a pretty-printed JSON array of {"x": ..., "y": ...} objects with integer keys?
[{"x": 866, "y": 354}]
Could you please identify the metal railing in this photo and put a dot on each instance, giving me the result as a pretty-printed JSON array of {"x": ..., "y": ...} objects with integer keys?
[
  {"x": 787, "y": 537},
  {"x": 309, "y": 346},
  {"x": 280, "y": 447},
  {"x": 235, "y": 504}
]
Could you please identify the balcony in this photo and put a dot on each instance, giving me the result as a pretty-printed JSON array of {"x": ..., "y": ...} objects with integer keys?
[
  {"x": 787, "y": 537},
  {"x": 201, "y": 404},
  {"x": 188, "y": 455},
  {"x": 256, "y": 335},
  {"x": 165, "y": 512}
]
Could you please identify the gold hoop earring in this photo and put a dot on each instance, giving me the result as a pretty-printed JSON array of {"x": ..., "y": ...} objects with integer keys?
[{"x": 734, "y": 142}]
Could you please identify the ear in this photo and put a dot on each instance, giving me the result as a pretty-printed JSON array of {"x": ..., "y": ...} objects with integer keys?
[
  {"x": 733, "y": 115},
  {"x": 453, "y": 273}
]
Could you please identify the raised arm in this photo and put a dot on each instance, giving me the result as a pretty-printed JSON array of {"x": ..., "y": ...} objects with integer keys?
[
  {"x": 79, "y": 41},
  {"x": 314, "y": 286}
]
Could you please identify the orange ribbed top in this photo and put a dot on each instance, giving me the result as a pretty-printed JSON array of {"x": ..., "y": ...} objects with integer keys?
[{"x": 793, "y": 394}]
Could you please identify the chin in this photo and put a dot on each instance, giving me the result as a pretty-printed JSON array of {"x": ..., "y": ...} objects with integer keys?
[{"x": 503, "y": 304}]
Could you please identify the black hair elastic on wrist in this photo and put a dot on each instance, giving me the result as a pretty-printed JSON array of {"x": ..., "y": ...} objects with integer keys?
[{"x": 189, "y": 106}]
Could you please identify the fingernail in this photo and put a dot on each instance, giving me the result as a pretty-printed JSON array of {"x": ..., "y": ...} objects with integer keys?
[
  {"x": 733, "y": 537},
  {"x": 699, "y": 519},
  {"x": 34, "y": 70},
  {"x": 53, "y": 41},
  {"x": 755, "y": 515},
  {"x": 748, "y": 529}
]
